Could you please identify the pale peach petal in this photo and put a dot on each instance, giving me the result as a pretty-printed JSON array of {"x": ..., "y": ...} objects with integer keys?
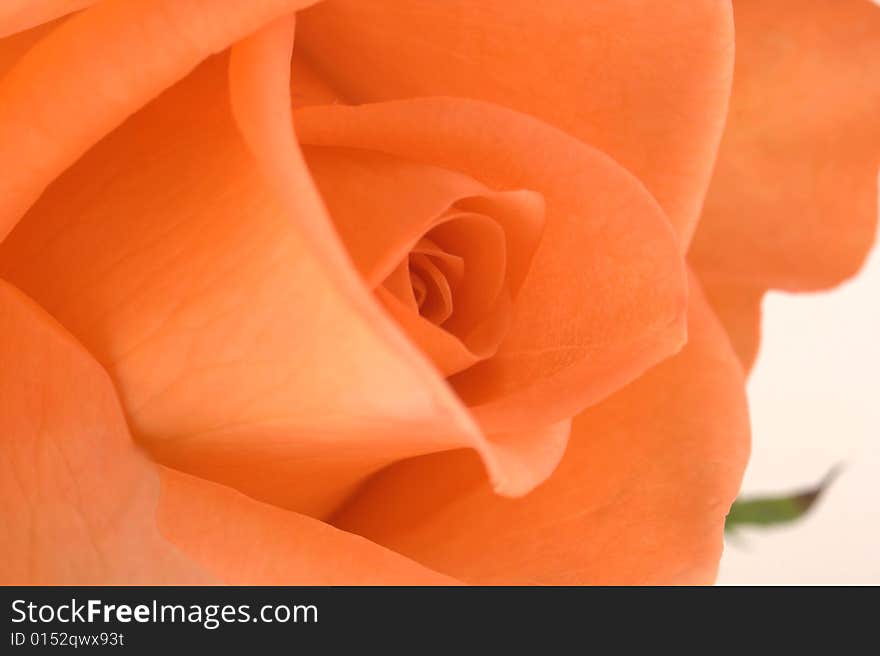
[
  {"x": 605, "y": 293},
  {"x": 382, "y": 205},
  {"x": 793, "y": 204},
  {"x": 260, "y": 83},
  {"x": 385, "y": 206},
  {"x": 20, "y": 15},
  {"x": 245, "y": 348},
  {"x": 639, "y": 498},
  {"x": 448, "y": 352},
  {"x": 241, "y": 352},
  {"x": 738, "y": 306},
  {"x": 647, "y": 82},
  {"x": 82, "y": 505},
  {"x": 13, "y": 47},
  {"x": 243, "y": 542},
  {"x": 87, "y": 76},
  {"x": 481, "y": 243},
  {"x": 78, "y": 501}
]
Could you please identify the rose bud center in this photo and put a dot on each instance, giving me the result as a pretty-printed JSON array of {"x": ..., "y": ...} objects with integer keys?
[{"x": 444, "y": 254}]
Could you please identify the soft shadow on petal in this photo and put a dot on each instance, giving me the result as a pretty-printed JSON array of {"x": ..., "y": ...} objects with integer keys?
[
  {"x": 260, "y": 92},
  {"x": 244, "y": 346},
  {"x": 82, "y": 505},
  {"x": 382, "y": 205},
  {"x": 647, "y": 82},
  {"x": 87, "y": 76},
  {"x": 605, "y": 296},
  {"x": 78, "y": 500},
  {"x": 793, "y": 203},
  {"x": 13, "y": 47},
  {"x": 20, "y": 15},
  {"x": 241, "y": 354},
  {"x": 243, "y": 542},
  {"x": 640, "y": 496},
  {"x": 738, "y": 306}
]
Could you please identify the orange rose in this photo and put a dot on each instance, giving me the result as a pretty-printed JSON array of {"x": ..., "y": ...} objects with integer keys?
[{"x": 380, "y": 287}]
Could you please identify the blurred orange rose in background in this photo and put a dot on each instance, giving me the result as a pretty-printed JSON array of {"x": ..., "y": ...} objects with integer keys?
[{"x": 344, "y": 292}]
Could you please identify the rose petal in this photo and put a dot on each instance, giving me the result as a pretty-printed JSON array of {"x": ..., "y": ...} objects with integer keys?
[
  {"x": 20, "y": 15},
  {"x": 646, "y": 82},
  {"x": 738, "y": 306},
  {"x": 640, "y": 496},
  {"x": 244, "y": 346},
  {"x": 793, "y": 204},
  {"x": 13, "y": 47},
  {"x": 81, "y": 505},
  {"x": 260, "y": 83},
  {"x": 97, "y": 68},
  {"x": 446, "y": 351},
  {"x": 243, "y": 542},
  {"x": 78, "y": 502},
  {"x": 382, "y": 205},
  {"x": 241, "y": 352},
  {"x": 604, "y": 298}
]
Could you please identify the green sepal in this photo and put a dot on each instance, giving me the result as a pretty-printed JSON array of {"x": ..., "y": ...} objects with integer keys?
[{"x": 778, "y": 510}]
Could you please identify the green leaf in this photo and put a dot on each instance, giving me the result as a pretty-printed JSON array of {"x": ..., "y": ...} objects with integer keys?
[{"x": 774, "y": 511}]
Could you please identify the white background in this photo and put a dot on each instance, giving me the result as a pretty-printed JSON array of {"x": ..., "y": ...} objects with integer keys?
[{"x": 815, "y": 402}]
